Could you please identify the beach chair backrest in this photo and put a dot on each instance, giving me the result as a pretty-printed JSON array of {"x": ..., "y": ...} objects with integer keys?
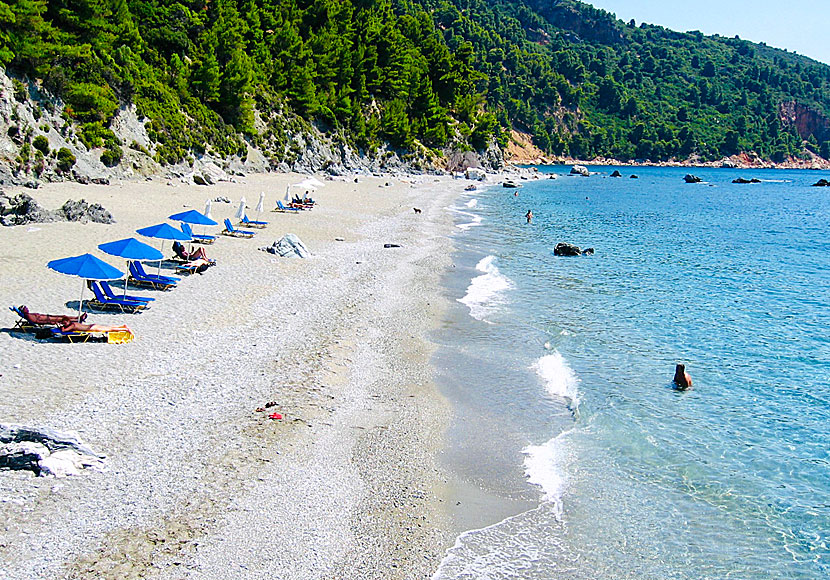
[
  {"x": 136, "y": 270},
  {"x": 105, "y": 286},
  {"x": 187, "y": 229},
  {"x": 99, "y": 296},
  {"x": 140, "y": 268},
  {"x": 279, "y": 204},
  {"x": 228, "y": 225}
]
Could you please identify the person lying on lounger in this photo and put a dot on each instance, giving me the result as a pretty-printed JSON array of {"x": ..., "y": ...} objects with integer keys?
[
  {"x": 74, "y": 326},
  {"x": 183, "y": 254}
]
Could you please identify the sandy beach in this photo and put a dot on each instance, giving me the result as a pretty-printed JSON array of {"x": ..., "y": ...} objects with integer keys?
[{"x": 198, "y": 484}]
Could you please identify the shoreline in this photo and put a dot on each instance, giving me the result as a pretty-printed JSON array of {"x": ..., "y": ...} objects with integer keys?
[{"x": 198, "y": 482}]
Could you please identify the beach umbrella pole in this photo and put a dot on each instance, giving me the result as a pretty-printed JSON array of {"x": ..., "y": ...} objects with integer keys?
[
  {"x": 81, "y": 303},
  {"x": 161, "y": 249}
]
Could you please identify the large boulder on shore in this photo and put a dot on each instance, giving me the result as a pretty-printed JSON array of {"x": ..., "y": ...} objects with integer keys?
[
  {"x": 288, "y": 246},
  {"x": 580, "y": 170},
  {"x": 689, "y": 178},
  {"x": 45, "y": 451},
  {"x": 81, "y": 211},
  {"x": 22, "y": 209}
]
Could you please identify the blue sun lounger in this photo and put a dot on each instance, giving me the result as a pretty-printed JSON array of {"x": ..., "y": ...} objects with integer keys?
[
  {"x": 102, "y": 302},
  {"x": 140, "y": 278},
  {"x": 252, "y": 223},
  {"x": 105, "y": 286},
  {"x": 281, "y": 207},
  {"x": 198, "y": 238},
  {"x": 232, "y": 231}
]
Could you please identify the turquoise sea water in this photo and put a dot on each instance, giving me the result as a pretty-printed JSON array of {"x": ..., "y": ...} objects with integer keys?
[{"x": 560, "y": 373}]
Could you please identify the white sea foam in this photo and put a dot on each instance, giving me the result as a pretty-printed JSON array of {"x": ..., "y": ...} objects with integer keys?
[
  {"x": 560, "y": 379},
  {"x": 485, "y": 292},
  {"x": 545, "y": 466},
  {"x": 472, "y": 203},
  {"x": 466, "y": 226}
]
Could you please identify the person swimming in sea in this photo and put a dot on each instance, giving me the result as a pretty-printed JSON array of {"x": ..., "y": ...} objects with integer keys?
[
  {"x": 529, "y": 216},
  {"x": 682, "y": 381}
]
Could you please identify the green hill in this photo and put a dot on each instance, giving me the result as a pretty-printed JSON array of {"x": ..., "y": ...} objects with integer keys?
[{"x": 421, "y": 76}]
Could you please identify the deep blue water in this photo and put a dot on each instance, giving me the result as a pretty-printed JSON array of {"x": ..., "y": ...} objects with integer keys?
[{"x": 560, "y": 372}]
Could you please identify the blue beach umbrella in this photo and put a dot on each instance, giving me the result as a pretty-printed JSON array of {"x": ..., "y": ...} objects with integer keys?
[
  {"x": 86, "y": 267},
  {"x": 164, "y": 232},
  {"x": 194, "y": 217},
  {"x": 131, "y": 249}
]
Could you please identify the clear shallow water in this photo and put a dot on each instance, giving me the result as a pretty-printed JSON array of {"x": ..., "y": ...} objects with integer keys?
[{"x": 560, "y": 372}]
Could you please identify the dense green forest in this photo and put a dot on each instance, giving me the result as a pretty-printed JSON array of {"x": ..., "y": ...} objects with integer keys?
[{"x": 426, "y": 75}]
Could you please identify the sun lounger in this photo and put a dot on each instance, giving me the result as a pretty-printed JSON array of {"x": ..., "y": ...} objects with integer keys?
[
  {"x": 232, "y": 231},
  {"x": 102, "y": 302},
  {"x": 141, "y": 278},
  {"x": 139, "y": 267},
  {"x": 32, "y": 321},
  {"x": 282, "y": 208},
  {"x": 198, "y": 238},
  {"x": 252, "y": 223},
  {"x": 105, "y": 286},
  {"x": 112, "y": 336}
]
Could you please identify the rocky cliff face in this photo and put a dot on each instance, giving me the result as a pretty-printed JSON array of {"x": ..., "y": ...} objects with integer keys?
[{"x": 806, "y": 121}]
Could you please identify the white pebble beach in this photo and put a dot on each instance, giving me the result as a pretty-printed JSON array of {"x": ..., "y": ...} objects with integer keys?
[{"x": 198, "y": 483}]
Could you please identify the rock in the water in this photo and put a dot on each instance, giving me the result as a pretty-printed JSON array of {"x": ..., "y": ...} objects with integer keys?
[
  {"x": 288, "y": 246},
  {"x": 745, "y": 180},
  {"x": 510, "y": 184},
  {"x": 632, "y": 176},
  {"x": 565, "y": 249},
  {"x": 689, "y": 178},
  {"x": 580, "y": 170},
  {"x": 616, "y": 173},
  {"x": 819, "y": 183},
  {"x": 588, "y": 252},
  {"x": 81, "y": 211}
]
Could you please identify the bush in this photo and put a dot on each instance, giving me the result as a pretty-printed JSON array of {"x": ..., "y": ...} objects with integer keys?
[
  {"x": 112, "y": 156},
  {"x": 20, "y": 92},
  {"x": 65, "y": 159},
  {"x": 41, "y": 143}
]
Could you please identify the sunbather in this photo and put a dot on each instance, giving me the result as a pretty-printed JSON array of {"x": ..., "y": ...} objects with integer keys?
[
  {"x": 183, "y": 254},
  {"x": 47, "y": 319},
  {"x": 75, "y": 326}
]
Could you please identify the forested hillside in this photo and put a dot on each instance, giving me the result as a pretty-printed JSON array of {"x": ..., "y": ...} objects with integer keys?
[{"x": 425, "y": 76}]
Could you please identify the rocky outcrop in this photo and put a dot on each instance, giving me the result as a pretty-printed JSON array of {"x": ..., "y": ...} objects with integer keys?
[
  {"x": 22, "y": 209},
  {"x": 744, "y": 180},
  {"x": 616, "y": 173},
  {"x": 821, "y": 183},
  {"x": 807, "y": 121},
  {"x": 566, "y": 249},
  {"x": 81, "y": 211},
  {"x": 689, "y": 178},
  {"x": 580, "y": 170}
]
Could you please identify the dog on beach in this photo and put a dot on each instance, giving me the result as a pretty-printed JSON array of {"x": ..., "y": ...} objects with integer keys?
[{"x": 416, "y": 210}]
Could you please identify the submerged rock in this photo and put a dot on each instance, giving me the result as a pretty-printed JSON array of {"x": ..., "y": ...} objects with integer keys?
[
  {"x": 566, "y": 249},
  {"x": 745, "y": 180}
]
